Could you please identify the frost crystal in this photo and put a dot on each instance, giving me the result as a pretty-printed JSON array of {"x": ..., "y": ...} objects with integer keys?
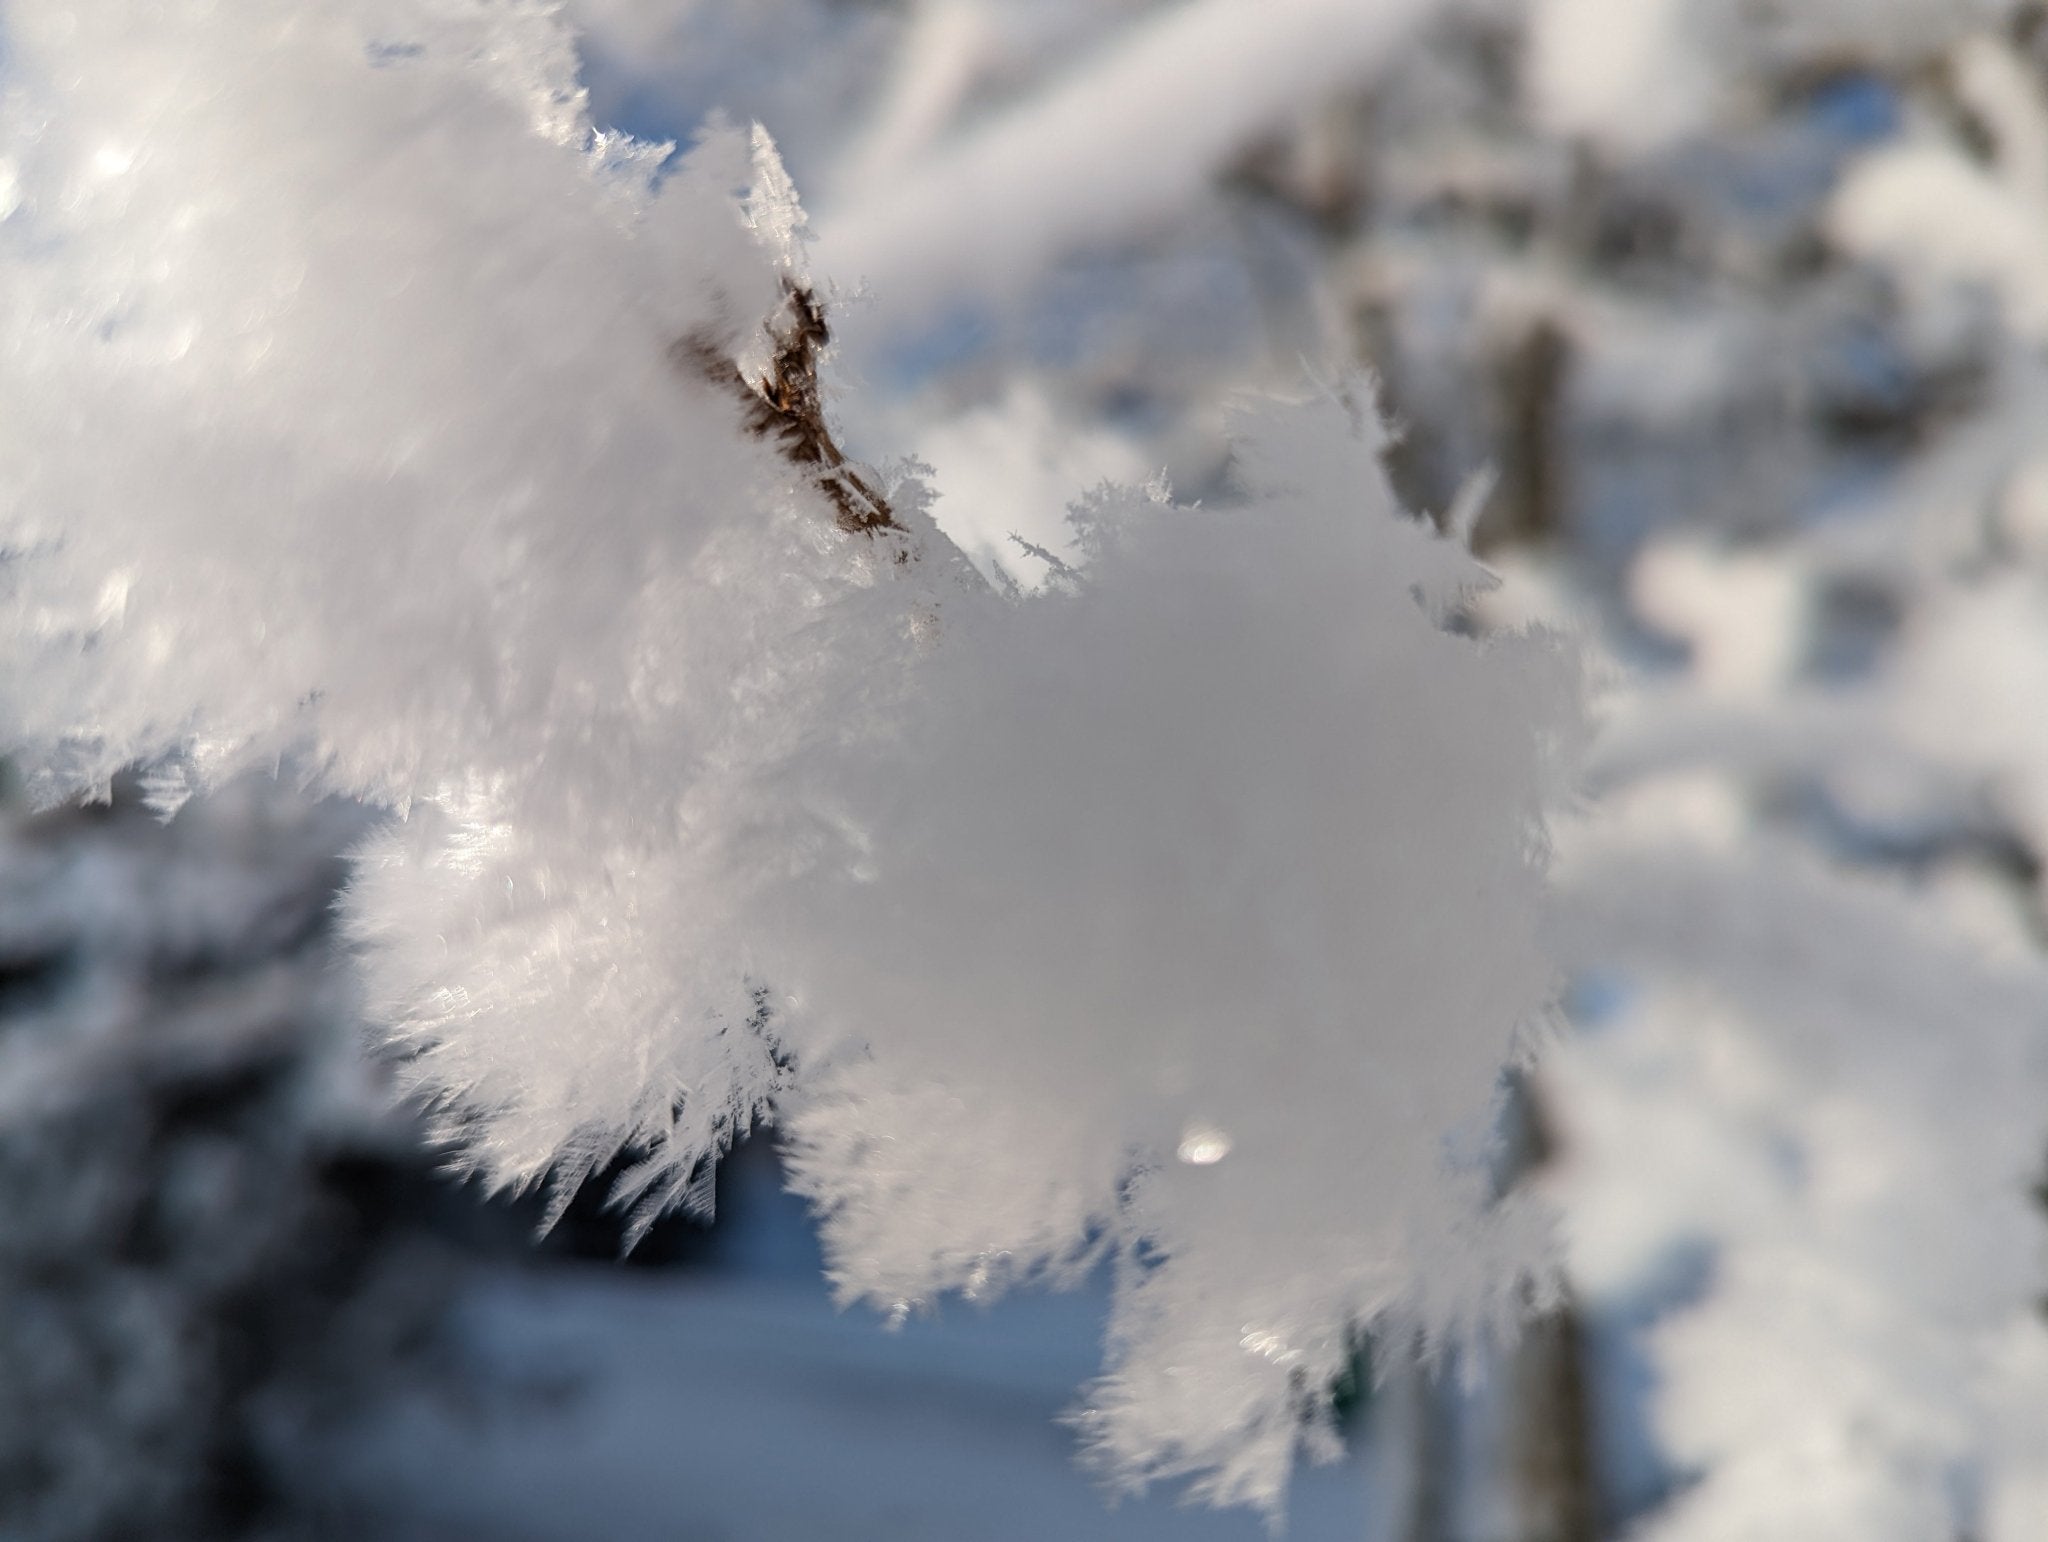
[
  {"x": 1223, "y": 834},
  {"x": 365, "y": 418}
]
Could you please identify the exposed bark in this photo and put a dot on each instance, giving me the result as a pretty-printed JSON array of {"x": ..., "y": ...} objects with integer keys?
[
  {"x": 1431, "y": 1502},
  {"x": 1551, "y": 1438},
  {"x": 1531, "y": 381}
]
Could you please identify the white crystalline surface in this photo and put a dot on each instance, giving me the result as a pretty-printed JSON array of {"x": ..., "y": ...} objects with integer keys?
[
  {"x": 1181, "y": 913},
  {"x": 342, "y": 427}
]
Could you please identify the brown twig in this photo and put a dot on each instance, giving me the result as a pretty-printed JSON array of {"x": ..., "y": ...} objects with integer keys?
[{"x": 787, "y": 407}]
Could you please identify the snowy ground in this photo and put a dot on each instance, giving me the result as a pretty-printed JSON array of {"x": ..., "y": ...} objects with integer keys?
[
  {"x": 744, "y": 1408},
  {"x": 729, "y": 1401}
]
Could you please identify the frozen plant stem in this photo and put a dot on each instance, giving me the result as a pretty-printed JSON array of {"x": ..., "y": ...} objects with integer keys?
[{"x": 786, "y": 405}]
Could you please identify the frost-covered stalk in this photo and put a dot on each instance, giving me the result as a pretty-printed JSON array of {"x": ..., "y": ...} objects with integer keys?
[{"x": 370, "y": 415}]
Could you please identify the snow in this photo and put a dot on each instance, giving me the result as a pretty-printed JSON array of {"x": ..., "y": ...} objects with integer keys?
[
  {"x": 1007, "y": 471},
  {"x": 1146, "y": 904},
  {"x": 1937, "y": 218},
  {"x": 178, "y": 1081},
  {"x": 1632, "y": 74},
  {"x": 1174, "y": 95},
  {"x": 752, "y": 1409},
  {"x": 457, "y": 473},
  {"x": 998, "y": 988}
]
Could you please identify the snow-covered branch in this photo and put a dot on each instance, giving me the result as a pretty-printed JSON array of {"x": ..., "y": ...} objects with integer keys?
[{"x": 1180, "y": 913}]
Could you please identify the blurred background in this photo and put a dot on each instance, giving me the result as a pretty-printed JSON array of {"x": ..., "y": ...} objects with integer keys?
[{"x": 1720, "y": 324}]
